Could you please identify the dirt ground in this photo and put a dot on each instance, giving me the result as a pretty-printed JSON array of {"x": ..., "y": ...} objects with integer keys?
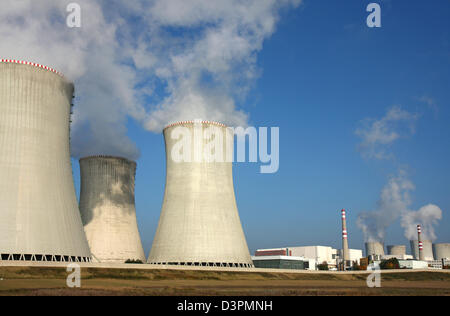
[{"x": 111, "y": 282}]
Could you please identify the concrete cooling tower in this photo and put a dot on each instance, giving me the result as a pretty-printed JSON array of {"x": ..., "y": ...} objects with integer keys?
[
  {"x": 374, "y": 248},
  {"x": 39, "y": 216},
  {"x": 441, "y": 251},
  {"x": 396, "y": 250},
  {"x": 199, "y": 223},
  {"x": 108, "y": 210},
  {"x": 427, "y": 249}
]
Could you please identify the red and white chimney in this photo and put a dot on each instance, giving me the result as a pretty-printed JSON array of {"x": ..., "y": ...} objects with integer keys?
[
  {"x": 420, "y": 243},
  {"x": 345, "y": 250}
]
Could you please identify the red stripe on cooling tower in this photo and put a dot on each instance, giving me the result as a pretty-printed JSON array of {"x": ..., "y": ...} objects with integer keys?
[
  {"x": 22, "y": 62},
  {"x": 192, "y": 122}
]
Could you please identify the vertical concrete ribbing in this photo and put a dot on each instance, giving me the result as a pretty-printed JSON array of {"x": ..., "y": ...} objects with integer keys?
[
  {"x": 38, "y": 207},
  {"x": 107, "y": 206},
  {"x": 199, "y": 220}
]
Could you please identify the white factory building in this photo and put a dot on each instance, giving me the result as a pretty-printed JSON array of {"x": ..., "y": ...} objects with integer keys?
[{"x": 316, "y": 255}]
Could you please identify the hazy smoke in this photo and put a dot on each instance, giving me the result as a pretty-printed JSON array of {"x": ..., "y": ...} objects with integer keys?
[
  {"x": 155, "y": 61},
  {"x": 427, "y": 216},
  {"x": 395, "y": 202}
]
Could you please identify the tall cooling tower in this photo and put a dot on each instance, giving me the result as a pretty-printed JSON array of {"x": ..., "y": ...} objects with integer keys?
[
  {"x": 199, "y": 222},
  {"x": 441, "y": 251},
  {"x": 396, "y": 250},
  {"x": 374, "y": 248},
  {"x": 108, "y": 210},
  {"x": 39, "y": 216},
  {"x": 427, "y": 249}
]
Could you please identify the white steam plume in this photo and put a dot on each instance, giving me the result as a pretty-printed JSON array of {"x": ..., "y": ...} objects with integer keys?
[
  {"x": 155, "y": 61},
  {"x": 395, "y": 203},
  {"x": 427, "y": 216}
]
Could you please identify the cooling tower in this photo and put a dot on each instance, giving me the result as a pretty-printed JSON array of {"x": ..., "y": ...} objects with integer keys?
[
  {"x": 39, "y": 216},
  {"x": 374, "y": 248},
  {"x": 396, "y": 250},
  {"x": 199, "y": 222},
  {"x": 108, "y": 210},
  {"x": 441, "y": 251},
  {"x": 427, "y": 249}
]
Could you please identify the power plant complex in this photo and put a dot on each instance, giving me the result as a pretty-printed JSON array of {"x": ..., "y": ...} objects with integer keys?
[{"x": 199, "y": 224}]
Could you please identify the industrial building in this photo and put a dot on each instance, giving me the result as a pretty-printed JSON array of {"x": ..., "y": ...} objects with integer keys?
[
  {"x": 107, "y": 207},
  {"x": 39, "y": 216},
  {"x": 281, "y": 262},
  {"x": 273, "y": 252},
  {"x": 320, "y": 254},
  {"x": 353, "y": 255},
  {"x": 413, "y": 264},
  {"x": 199, "y": 223},
  {"x": 315, "y": 255}
]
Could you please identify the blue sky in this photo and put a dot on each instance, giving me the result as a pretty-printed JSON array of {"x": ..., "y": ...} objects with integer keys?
[{"x": 322, "y": 72}]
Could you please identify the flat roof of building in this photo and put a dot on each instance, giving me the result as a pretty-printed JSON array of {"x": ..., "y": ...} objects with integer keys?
[{"x": 256, "y": 258}]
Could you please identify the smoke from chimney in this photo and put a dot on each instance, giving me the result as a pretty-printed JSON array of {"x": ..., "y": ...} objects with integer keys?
[
  {"x": 394, "y": 204},
  {"x": 427, "y": 216}
]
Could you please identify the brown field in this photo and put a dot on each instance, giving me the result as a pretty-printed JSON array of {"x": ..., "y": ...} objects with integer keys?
[{"x": 99, "y": 281}]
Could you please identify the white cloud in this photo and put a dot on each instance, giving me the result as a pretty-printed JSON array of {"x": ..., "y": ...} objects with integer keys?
[
  {"x": 155, "y": 61},
  {"x": 377, "y": 135},
  {"x": 431, "y": 104}
]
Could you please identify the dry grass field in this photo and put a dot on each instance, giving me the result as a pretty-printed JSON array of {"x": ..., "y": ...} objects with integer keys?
[{"x": 98, "y": 281}]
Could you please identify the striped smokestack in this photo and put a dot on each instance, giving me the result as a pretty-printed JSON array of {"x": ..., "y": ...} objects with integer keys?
[
  {"x": 345, "y": 250},
  {"x": 419, "y": 239}
]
